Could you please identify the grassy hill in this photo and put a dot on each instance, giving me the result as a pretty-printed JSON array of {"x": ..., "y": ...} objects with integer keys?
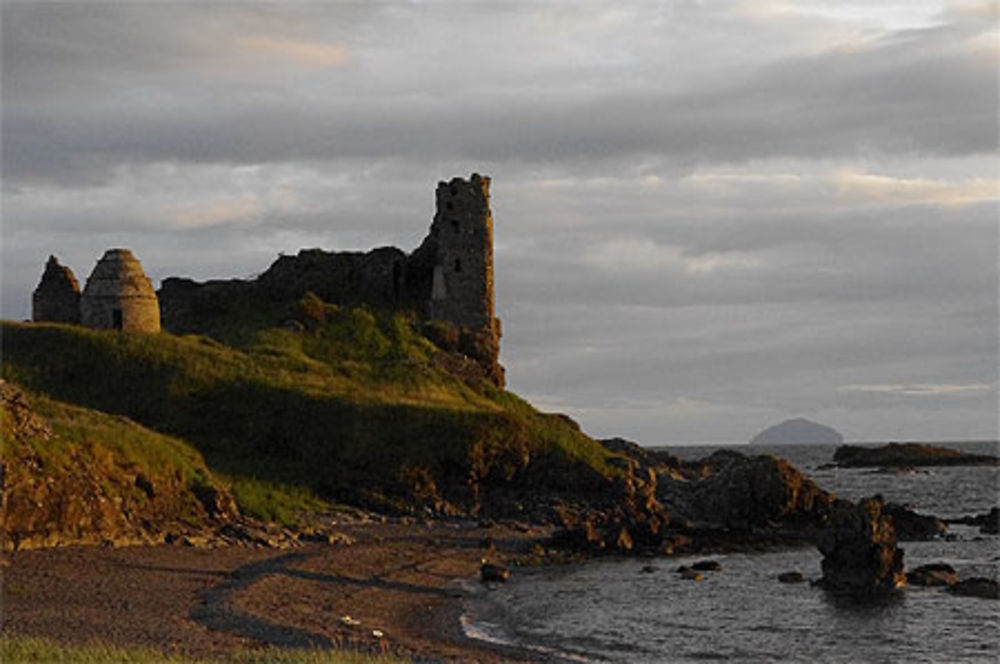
[{"x": 343, "y": 404}]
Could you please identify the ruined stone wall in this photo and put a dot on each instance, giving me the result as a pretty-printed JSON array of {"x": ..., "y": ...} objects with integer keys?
[
  {"x": 57, "y": 297},
  {"x": 119, "y": 295},
  {"x": 448, "y": 279},
  {"x": 462, "y": 285}
]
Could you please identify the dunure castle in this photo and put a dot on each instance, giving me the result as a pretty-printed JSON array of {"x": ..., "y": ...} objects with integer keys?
[{"x": 447, "y": 282}]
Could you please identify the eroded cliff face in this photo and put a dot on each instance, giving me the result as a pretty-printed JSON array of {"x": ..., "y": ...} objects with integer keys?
[{"x": 60, "y": 489}]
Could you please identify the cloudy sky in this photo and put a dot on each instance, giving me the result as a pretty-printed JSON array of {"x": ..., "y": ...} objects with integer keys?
[{"x": 710, "y": 215}]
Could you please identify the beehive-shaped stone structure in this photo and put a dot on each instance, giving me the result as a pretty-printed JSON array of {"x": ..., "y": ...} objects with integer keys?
[
  {"x": 119, "y": 295},
  {"x": 57, "y": 298}
]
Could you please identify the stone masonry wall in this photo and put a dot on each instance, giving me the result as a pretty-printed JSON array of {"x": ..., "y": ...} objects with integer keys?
[
  {"x": 119, "y": 295},
  {"x": 448, "y": 279},
  {"x": 462, "y": 285},
  {"x": 57, "y": 297}
]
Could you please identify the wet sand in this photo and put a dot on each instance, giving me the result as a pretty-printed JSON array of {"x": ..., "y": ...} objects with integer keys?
[{"x": 397, "y": 578}]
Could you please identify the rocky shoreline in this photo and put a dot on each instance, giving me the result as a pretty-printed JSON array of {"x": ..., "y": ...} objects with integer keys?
[{"x": 907, "y": 455}]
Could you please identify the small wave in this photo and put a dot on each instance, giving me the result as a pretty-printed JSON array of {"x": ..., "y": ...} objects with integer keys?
[{"x": 495, "y": 634}]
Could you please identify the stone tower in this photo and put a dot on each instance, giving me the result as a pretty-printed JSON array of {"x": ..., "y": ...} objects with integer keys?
[
  {"x": 119, "y": 295},
  {"x": 57, "y": 298},
  {"x": 462, "y": 283}
]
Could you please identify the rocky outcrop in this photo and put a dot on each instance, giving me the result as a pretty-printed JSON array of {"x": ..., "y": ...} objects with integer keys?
[
  {"x": 977, "y": 587},
  {"x": 59, "y": 490},
  {"x": 645, "y": 460},
  {"x": 933, "y": 574},
  {"x": 859, "y": 549},
  {"x": 896, "y": 455},
  {"x": 912, "y": 526},
  {"x": 749, "y": 492},
  {"x": 798, "y": 431},
  {"x": 989, "y": 523}
]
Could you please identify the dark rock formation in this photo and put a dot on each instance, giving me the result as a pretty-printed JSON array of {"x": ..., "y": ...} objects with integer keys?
[
  {"x": 690, "y": 574},
  {"x": 646, "y": 460},
  {"x": 907, "y": 454},
  {"x": 859, "y": 549},
  {"x": 707, "y": 566},
  {"x": 750, "y": 492},
  {"x": 977, "y": 587},
  {"x": 57, "y": 297},
  {"x": 798, "y": 431},
  {"x": 934, "y": 574},
  {"x": 911, "y": 526},
  {"x": 988, "y": 523},
  {"x": 490, "y": 573}
]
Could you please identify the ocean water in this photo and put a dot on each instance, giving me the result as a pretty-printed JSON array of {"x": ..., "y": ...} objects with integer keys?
[{"x": 613, "y": 610}]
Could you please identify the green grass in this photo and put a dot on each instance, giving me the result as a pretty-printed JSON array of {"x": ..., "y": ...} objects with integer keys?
[
  {"x": 288, "y": 504},
  {"x": 98, "y": 435},
  {"x": 33, "y": 650},
  {"x": 351, "y": 407}
]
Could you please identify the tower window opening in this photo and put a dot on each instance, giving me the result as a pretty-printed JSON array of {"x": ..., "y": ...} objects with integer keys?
[
  {"x": 458, "y": 265},
  {"x": 449, "y": 205},
  {"x": 454, "y": 225},
  {"x": 116, "y": 319}
]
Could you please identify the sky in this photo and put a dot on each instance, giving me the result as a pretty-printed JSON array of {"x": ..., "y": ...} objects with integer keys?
[{"x": 710, "y": 216}]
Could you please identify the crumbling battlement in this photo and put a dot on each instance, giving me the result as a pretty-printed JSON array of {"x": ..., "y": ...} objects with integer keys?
[
  {"x": 447, "y": 279},
  {"x": 57, "y": 297}
]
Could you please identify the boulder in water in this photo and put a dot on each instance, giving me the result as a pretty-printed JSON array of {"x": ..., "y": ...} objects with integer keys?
[
  {"x": 859, "y": 549},
  {"x": 977, "y": 587},
  {"x": 911, "y": 526},
  {"x": 934, "y": 574},
  {"x": 707, "y": 566}
]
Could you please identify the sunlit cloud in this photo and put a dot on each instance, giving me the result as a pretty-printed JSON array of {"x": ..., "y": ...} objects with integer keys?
[
  {"x": 886, "y": 189},
  {"x": 308, "y": 54},
  {"x": 918, "y": 389},
  {"x": 241, "y": 210}
]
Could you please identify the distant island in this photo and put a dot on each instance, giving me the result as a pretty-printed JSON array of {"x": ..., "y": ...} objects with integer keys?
[{"x": 798, "y": 431}]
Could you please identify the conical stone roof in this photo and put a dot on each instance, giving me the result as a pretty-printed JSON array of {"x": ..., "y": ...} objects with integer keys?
[{"x": 119, "y": 295}]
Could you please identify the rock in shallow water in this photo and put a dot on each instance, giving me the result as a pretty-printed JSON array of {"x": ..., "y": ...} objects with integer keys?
[
  {"x": 859, "y": 549},
  {"x": 791, "y": 577},
  {"x": 706, "y": 566},
  {"x": 934, "y": 574},
  {"x": 490, "y": 573},
  {"x": 977, "y": 587}
]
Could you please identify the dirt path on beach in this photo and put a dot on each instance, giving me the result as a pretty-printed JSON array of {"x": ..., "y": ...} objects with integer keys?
[{"x": 397, "y": 579}]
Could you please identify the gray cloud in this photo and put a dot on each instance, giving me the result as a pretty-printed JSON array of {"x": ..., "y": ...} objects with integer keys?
[{"x": 708, "y": 217}]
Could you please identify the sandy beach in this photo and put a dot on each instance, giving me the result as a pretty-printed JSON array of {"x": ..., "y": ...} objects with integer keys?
[{"x": 400, "y": 579}]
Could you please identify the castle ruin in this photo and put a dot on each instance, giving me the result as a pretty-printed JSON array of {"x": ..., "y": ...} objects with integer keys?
[
  {"x": 118, "y": 295},
  {"x": 57, "y": 297},
  {"x": 447, "y": 280}
]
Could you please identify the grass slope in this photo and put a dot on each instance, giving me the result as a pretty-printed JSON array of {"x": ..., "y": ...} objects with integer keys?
[{"x": 351, "y": 404}]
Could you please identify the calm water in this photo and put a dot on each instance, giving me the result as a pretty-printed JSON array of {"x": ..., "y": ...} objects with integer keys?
[{"x": 613, "y": 611}]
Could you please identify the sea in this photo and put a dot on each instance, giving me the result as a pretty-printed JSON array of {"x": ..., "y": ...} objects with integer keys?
[{"x": 617, "y": 610}]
